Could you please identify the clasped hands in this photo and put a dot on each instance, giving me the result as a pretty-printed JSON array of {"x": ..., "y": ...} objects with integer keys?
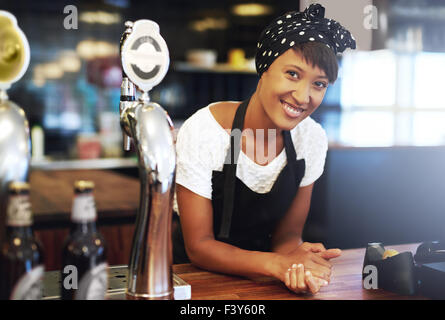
[{"x": 310, "y": 268}]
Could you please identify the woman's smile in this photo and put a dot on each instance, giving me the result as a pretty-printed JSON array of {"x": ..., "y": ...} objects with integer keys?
[{"x": 291, "y": 110}]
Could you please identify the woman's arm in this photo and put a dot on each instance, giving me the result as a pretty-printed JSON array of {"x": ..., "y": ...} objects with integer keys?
[
  {"x": 287, "y": 236},
  {"x": 196, "y": 215}
]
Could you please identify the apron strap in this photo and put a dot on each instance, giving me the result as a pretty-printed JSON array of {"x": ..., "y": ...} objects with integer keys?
[
  {"x": 230, "y": 170},
  {"x": 291, "y": 155}
]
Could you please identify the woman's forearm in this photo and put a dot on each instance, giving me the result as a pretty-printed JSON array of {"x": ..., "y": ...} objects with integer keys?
[
  {"x": 288, "y": 244},
  {"x": 221, "y": 257}
]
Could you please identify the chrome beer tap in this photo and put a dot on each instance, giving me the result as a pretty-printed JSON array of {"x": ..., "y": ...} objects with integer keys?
[
  {"x": 15, "y": 143},
  {"x": 145, "y": 62}
]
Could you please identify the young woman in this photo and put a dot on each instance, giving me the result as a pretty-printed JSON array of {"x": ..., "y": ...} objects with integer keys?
[{"x": 241, "y": 213}]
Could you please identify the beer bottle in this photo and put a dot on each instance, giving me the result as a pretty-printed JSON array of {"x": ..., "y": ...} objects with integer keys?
[
  {"x": 84, "y": 265},
  {"x": 21, "y": 258}
]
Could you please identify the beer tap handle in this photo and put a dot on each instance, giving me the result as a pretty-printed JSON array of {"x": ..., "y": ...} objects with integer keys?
[
  {"x": 127, "y": 98},
  {"x": 126, "y": 141},
  {"x": 127, "y": 32},
  {"x": 127, "y": 87}
]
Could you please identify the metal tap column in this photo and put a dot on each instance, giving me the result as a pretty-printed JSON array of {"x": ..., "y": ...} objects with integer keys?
[{"x": 147, "y": 123}]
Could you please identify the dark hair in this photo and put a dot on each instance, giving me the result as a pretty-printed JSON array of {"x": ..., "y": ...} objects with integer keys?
[{"x": 321, "y": 56}]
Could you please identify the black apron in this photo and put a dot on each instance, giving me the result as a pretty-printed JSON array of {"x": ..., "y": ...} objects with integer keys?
[{"x": 242, "y": 217}]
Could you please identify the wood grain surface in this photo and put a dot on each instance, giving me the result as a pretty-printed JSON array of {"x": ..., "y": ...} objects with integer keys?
[
  {"x": 116, "y": 195},
  {"x": 346, "y": 282}
]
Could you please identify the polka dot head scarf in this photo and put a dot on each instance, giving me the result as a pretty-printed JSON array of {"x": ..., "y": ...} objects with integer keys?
[{"x": 297, "y": 27}]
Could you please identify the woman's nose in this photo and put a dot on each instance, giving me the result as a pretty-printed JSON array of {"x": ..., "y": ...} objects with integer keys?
[{"x": 301, "y": 93}]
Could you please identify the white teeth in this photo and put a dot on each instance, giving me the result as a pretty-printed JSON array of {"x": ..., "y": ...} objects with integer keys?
[{"x": 293, "y": 110}]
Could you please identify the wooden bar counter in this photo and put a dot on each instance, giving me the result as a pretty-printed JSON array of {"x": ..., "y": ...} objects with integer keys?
[{"x": 346, "y": 282}]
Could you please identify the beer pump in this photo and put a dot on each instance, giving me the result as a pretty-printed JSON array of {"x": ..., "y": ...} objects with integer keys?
[
  {"x": 15, "y": 144},
  {"x": 145, "y": 61}
]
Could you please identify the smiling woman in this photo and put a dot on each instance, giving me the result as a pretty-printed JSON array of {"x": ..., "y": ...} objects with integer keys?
[
  {"x": 238, "y": 214},
  {"x": 297, "y": 82}
]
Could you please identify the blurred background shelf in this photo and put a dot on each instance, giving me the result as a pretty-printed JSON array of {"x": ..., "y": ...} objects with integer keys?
[
  {"x": 217, "y": 68},
  {"x": 92, "y": 164}
]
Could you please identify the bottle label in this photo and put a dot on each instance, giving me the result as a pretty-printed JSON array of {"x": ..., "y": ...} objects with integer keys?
[
  {"x": 94, "y": 284},
  {"x": 84, "y": 208},
  {"x": 30, "y": 285},
  {"x": 19, "y": 212}
]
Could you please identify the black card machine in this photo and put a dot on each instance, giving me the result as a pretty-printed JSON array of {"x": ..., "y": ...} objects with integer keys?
[
  {"x": 396, "y": 274},
  {"x": 431, "y": 251},
  {"x": 430, "y": 259},
  {"x": 402, "y": 273}
]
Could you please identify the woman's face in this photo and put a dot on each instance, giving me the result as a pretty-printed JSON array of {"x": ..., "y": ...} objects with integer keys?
[{"x": 291, "y": 89}]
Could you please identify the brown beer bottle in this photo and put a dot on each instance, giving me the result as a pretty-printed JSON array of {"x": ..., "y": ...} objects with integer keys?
[
  {"x": 21, "y": 258},
  {"x": 84, "y": 264}
]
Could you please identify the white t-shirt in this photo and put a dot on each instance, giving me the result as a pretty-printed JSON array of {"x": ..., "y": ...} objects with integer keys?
[{"x": 202, "y": 144}]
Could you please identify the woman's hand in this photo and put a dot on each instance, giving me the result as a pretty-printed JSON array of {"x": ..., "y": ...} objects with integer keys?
[
  {"x": 301, "y": 281},
  {"x": 321, "y": 250},
  {"x": 314, "y": 257}
]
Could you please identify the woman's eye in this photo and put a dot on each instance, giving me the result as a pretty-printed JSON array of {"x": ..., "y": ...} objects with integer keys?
[
  {"x": 293, "y": 74},
  {"x": 321, "y": 84}
]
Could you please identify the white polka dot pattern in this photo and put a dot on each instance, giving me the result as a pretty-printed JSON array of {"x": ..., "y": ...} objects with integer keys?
[{"x": 297, "y": 27}]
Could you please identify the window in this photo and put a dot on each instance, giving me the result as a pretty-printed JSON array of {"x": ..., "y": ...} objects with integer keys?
[
  {"x": 390, "y": 98},
  {"x": 369, "y": 79}
]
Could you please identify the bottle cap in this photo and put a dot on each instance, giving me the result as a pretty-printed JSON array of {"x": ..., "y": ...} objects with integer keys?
[
  {"x": 18, "y": 212},
  {"x": 84, "y": 207},
  {"x": 83, "y": 185},
  {"x": 18, "y": 186}
]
